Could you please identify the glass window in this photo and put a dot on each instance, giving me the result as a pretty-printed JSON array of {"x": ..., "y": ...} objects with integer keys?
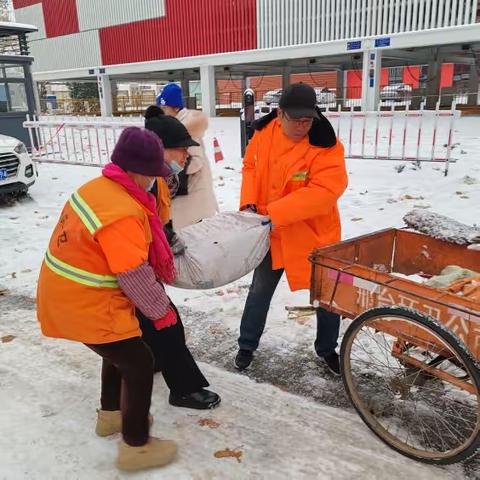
[
  {"x": 396, "y": 75},
  {"x": 14, "y": 72},
  {"x": 3, "y": 98},
  {"x": 18, "y": 97}
]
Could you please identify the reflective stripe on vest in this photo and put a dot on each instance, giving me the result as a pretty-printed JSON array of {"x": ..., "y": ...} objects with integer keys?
[
  {"x": 78, "y": 275},
  {"x": 92, "y": 224},
  {"x": 300, "y": 176},
  {"x": 86, "y": 214}
]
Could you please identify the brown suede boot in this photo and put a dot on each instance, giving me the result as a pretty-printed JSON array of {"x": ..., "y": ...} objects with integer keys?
[
  {"x": 110, "y": 422},
  {"x": 155, "y": 453}
]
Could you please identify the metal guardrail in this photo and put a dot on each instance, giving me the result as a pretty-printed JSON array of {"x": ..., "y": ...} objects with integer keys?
[{"x": 413, "y": 136}]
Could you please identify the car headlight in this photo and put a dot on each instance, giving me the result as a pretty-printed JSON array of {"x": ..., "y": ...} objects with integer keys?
[{"x": 20, "y": 148}]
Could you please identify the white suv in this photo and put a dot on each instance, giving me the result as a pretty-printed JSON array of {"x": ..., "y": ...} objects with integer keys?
[{"x": 17, "y": 170}]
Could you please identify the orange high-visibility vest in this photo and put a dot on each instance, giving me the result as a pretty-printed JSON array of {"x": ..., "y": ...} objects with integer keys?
[
  {"x": 164, "y": 202},
  {"x": 78, "y": 297}
]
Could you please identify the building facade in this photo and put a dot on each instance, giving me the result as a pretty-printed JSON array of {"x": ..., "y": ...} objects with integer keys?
[{"x": 77, "y": 38}]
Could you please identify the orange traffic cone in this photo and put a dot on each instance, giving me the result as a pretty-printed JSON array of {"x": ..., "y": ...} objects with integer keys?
[{"x": 217, "y": 150}]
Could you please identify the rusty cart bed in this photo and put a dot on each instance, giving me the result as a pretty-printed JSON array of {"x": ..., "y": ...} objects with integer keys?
[{"x": 410, "y": 357}]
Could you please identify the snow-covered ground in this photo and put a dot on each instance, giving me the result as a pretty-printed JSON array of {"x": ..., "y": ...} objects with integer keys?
[{"x": 300, "y": 426}]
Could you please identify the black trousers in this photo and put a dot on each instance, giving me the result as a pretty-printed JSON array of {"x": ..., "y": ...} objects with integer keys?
[
  {"x": 172, "y": 356},
  {"x": 265, "y": 281},
  {"x": 127, "y": 379}
]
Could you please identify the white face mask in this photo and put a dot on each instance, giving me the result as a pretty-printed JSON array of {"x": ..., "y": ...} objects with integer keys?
[
  {"x": 150, "y": 185},
  {"x": 176, "y": 168}
]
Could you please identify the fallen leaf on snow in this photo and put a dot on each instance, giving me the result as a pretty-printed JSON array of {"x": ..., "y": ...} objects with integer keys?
[
  {"x": 411, "y": 197},
  {"x": 7, "y": 338},
  {"x": 208, "y": 422},
  {"x": 464, "y": 196},
  {"x": 422, "y": 206},
  {"x": 302, "y": 319},
  {"x": 469, "y": 180},
  {"x": 14, "y": 274},
  {"x": 3, "y": 291},
  {"x": 357, "y": 219},
  {"x": 227, "y": 453},
  {"x": 233, "y": 290},
  {"x": 27, "y": 270}
]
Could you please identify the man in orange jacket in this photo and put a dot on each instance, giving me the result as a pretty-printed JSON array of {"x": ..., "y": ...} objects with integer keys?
[{"x": 294, "y": 172}]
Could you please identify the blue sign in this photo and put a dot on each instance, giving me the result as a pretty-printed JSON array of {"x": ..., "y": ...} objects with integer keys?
[
  {"x": 382, "y": 42},
  {"x": 3, "y": 174},
  {"x": 372, "y": 83},
  {"x": 354, "y": 45}
]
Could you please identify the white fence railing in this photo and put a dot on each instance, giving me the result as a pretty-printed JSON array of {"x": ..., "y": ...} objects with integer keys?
[
  {"x": 76, "y": 140},
  {"x": 418, "y": 136}
]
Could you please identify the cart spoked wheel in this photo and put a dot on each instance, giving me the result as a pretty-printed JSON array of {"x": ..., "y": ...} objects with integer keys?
[{"x": 414, "y": 384}]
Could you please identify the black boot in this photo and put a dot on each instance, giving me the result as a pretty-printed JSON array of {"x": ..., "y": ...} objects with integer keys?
[
  {"x": 243, "y": 359},
  {"x": 332, "y": 362},
  {"x": 201, "y": 400}
]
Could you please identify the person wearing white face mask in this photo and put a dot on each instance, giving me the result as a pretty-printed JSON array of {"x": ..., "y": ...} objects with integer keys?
[
  {"x": 176, "y": 141},
  {"x": 172, "y": 356},
  {"x": 195, "y": 199}
]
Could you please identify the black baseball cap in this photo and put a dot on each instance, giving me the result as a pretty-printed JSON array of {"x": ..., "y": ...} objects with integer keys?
[
  {"x": 299, "y": 100},
  {"x": 171, "y": 131}
]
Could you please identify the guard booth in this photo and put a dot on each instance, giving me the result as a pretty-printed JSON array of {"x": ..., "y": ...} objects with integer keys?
[{"x": 17, "y": 97}]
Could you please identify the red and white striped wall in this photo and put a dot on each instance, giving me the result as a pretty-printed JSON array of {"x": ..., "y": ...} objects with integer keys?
[{"x": 88, "y": 33}]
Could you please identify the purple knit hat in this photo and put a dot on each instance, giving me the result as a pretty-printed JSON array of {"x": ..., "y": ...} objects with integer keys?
[{"x": 140, "y": 151}]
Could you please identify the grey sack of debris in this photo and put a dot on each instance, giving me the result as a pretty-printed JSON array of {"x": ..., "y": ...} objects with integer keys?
[
  {"x": 442, "y": 228},
  {"x": 221, "y": 249}
]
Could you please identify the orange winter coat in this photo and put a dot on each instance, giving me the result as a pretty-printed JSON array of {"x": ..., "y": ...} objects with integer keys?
[
  {"x": 102, "y": 231},
  {"x": 164, "y": 202},
  {"x": 297, "y": 184}
]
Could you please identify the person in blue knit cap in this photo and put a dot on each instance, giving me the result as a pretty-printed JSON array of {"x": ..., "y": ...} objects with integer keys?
[
  {"x": 171, "y": 97},
  {"x": 195, "y": 198}
]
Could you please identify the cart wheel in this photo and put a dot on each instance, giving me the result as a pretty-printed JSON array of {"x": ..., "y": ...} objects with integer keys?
[{"x": 427, "y": 417}]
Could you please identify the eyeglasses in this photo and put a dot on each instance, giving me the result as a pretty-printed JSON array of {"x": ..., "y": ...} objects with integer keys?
[{"x": 304, "y": 122}]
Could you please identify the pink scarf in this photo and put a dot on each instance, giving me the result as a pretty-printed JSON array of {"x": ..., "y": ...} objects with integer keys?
[{"x": 160, "y": 255}]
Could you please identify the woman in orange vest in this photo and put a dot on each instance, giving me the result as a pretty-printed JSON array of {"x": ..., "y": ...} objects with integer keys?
[
  {"x": 107, "y": 256},
  {"x": 171, "y": 353}
]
